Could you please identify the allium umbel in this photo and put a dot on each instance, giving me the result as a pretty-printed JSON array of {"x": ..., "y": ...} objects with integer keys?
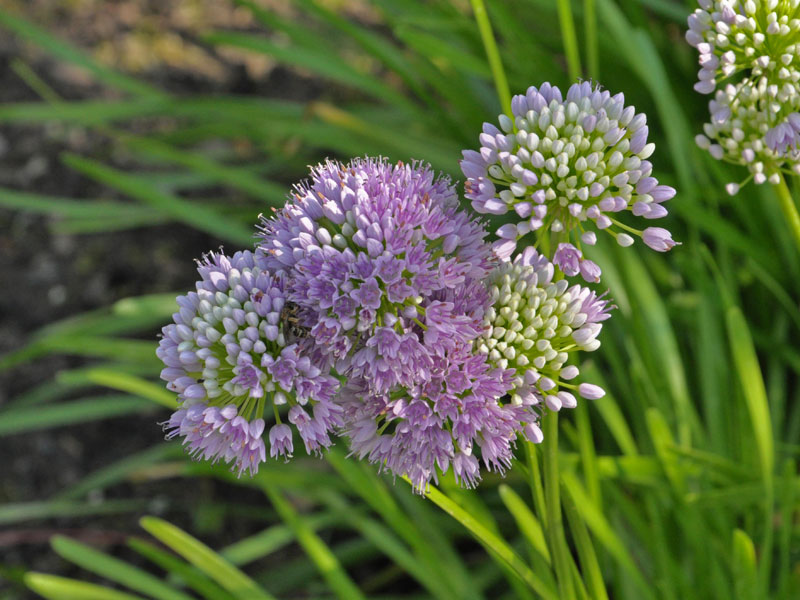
[
  {"x": 230, "y": 358},
  {"x": 748, "y": 136},
  {"x": 456, "y": 415},
  {"x": 366, "y": 247},
  {"x": 565, "y": 166},
  {"x": 749, "y": 39},
  {"x": 535, "y": 325},
  {"x": 749, "y": 60}
]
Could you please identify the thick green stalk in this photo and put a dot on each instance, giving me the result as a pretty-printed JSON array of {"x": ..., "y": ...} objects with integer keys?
[
  {"x": 555, "y": 523},
  {"x": 569, "y": 39},
  {"x": 789, "y": 210},
  {"x": 492, "y": 55}
]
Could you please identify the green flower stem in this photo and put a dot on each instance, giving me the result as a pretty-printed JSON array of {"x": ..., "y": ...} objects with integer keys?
[
  {"x": 555, "y": 525},
  {"x": 789, "y": 210},
  {"x": 492, "y": 55},
  {"x": 570, "y": 39}
]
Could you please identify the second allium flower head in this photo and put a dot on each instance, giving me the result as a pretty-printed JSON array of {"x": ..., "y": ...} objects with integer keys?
[
  {"x": 374, "y": 307},
  {"x": 748, "y": 57},
  {"x": 568, "y": 167}
]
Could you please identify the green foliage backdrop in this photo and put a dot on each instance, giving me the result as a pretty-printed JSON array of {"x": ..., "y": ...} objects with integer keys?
[{"x": 681, "y": 483}]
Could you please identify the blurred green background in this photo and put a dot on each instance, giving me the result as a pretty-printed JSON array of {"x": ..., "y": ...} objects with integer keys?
[{"x": 135, "y": 135}]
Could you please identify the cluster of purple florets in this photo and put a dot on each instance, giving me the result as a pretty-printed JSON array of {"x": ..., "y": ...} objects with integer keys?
[{"x": 374, "y": 308}]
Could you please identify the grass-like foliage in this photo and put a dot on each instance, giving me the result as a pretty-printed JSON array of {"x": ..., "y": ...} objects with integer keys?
[{"x": 681, "y": 483}]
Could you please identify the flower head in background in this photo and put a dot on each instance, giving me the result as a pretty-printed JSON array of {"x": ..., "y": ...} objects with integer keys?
[
  {"x": 744, "y": 133},
  {"x": 750, "y": 39},
  {"x": 368, "y": 249},
  {"x": 535, "y": 325},
  {"x": 230, "y": 357},
  {"x": 748, "y": 56},
  {"x": 567, "y": 167},
  {"x": 457, "y": 415}
]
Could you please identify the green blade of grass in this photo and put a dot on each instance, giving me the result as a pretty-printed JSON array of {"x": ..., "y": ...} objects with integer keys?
[
  {"x": 527, "y": 523},
  {"x": 317, "y": 550},
  {"x": 178, "y": 569},
  {"x": 65, "y": 52},
  {"x": 205, "y": 559},
  {"x": 28, "y": 511},
  {"x": 190, "y": 213},
  {"x": 34, "y": 418},
  {"x": 496, "y": 545},
  {"x": 236, "y": 177},
  {"x": 53, "y": 587},
  {"x": 605, "y": 534},
  {"x": 136, "y": 386},
  {"x": 114, "y": 570}
]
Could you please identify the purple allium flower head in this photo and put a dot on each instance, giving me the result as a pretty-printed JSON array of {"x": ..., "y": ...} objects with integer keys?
[
  {"x": 532, "y": 325},
  {"x": 369, "y": 249},
  {"x": 454, "y": 418},
  {"x": 563, "y": 164},
  {"x": 761, "y": 134},
  {"x": 754, "y": 39},
  {"x": 230, "y": 355}
]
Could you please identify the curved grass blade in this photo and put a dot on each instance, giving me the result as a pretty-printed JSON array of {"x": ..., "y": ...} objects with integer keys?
[
  {"x": 317, "y": 551},
  {"x": 66, "y": 52},
  {"x": 497, "y": 546},
  {"x": 205, "y": 559},
  {"x": 190, "y": 213},
  {"x": 114, "y": 569},
  {"x": 53, "y": 587}
]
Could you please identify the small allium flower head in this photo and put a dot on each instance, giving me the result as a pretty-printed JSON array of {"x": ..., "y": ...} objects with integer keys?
[
  {"x": 533, "y": 325},
  {"x": 564, "y": 165},
  {"x": 229, "y": 357},
  {"x": 752, "y": 38},
  {"x": 367, "y": 246},
  {"x": 750, "y": 135}
]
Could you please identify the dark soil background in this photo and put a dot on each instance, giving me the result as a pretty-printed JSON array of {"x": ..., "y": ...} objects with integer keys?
[{"x": 46, "y": 277}]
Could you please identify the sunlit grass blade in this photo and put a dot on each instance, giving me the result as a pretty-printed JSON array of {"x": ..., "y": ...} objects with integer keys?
[
  {"x": 744, "y": 566},
  {"x": 271, "y": 540},
  {"x": 496, "y": 545},
  {"x": 133, "y": 385},
  {"x": 528, "y": 524},
  {"x": 317, "y": 550},
  {"x": 205, "y": 559},
  {"x": 53, "y": 587},
  {"x": 190, "y": 213},
  {"x": 179, "y": 571},
  {"x": 755, "y": 395},
  {"x": 114, "y": 569}
]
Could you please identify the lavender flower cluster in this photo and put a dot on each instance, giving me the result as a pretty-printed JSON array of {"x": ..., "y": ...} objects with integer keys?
[
  {"x": 748, "y": 54},
  {"x": 374, "y": 308},
  {"x": 568, "y": 168}
]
